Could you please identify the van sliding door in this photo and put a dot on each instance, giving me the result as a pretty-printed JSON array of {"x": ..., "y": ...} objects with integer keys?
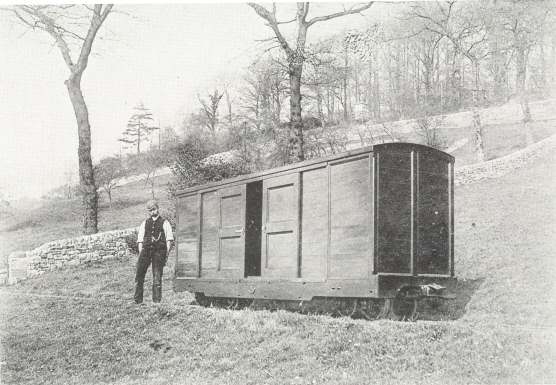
[
  {"x": 280, "y": 241},
  {"x": 223, "y": 240}
]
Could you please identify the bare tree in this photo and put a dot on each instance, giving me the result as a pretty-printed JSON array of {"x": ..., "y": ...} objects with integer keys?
[
  {"x": 523, "y": 22},
  {"x": 467, "y": 34},
  {"x": 108, "y": 173},
  {"x": 263, "y": 95},
  {"x": 429, "y": 129},
  {"x": 324, "y": 71},
  {"x": 211, "y": 109},
  {"x": 149, "y": 164},
  {"x": 295, "y": 54},
  {"x": 68, "y": 26}
]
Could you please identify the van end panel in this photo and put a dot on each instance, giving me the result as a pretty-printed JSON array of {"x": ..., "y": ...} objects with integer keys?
[
  {"x": 394, "y": 212},
  {"x": 432, "y": 250}
]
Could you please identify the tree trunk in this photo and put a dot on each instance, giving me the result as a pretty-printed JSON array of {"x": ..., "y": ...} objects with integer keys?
[
  {"x": 229, "y": 105},
  {"x": 138, "y": 138},
  {"x": 427, "y": 74},
  {"x": 319, "y": 105},
  {"x": 521, "y": 75},
  {"x": 296, "y": 124},
  {"x": 86, "y": 176},
  {"x": 369, "y": 90},
  {"x": 478, "y": 131},
  {"x": 552, "y": 69},
  {"x": 345, "y": 85},
  {"x": 330, "y": 104},
  {"x": 477, "y": 126},
  {"x": 497, "y": 62},
  {"x": 356, "y": 80},
  {"x": 277, "y": 104},
  {"x": 378, "y": 114}
]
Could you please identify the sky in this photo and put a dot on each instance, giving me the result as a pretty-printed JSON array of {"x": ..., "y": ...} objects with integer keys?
[{"x": 161, "y": 55}]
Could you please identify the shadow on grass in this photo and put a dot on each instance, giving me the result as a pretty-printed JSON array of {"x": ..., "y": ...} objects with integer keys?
[
  {"x": 450, "y": 309},
  {"x": 428, "y": 309}
]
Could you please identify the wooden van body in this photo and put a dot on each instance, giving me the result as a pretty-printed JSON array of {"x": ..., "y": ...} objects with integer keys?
[{"x": 359, "y": 224}]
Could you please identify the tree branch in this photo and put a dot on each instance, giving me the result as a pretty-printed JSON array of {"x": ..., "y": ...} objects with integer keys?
[
  {"x": 99, "y": 15},
  {"x": 349, "y": 11},
  {"x": 48, "y": 25},
  {"x": 286, "y": 22},
  {"x": 273, "y": 24}
]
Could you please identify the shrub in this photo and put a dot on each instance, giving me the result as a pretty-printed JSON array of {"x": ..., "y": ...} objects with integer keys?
[
  {"x": 429, "y": 129},
  {"x": 191, "y": 166}
]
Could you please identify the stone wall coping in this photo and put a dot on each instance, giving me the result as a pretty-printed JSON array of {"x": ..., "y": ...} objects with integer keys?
[
  {"x": 497, "y": 167},
  {"x": 509, "y": 157},
  {"x": 85, "y": 238}
]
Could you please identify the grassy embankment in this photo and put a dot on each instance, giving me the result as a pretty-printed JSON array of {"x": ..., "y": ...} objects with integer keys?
[{"x": 79, "y": 326}]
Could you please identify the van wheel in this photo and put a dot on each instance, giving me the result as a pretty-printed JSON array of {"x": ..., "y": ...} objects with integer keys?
[{"x": 404, "y": 309}]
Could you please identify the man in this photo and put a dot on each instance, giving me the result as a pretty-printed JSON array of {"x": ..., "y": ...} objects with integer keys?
[{"x": 154, "y": 240}]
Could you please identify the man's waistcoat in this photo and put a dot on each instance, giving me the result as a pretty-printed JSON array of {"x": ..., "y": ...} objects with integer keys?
[{"x": 154, "y": 234}]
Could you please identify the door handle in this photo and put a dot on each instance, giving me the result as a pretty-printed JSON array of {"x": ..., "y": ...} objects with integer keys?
[{"x": 239, "y": 231}]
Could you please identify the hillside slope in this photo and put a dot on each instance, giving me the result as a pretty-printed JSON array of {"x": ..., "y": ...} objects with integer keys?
[
  {"x": 79, "y": 326},
  {"x": 506, "y": 234}
]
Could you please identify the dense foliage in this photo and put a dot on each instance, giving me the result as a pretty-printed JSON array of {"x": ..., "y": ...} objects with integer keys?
[{"x": 191, "y": 166}]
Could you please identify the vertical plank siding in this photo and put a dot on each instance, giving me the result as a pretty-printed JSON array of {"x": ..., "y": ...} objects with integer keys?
[
  {"x": 314, "y": 224},
  {"x": 350, "y": 209},
  {"x": 187, "y": 237},
  {"x": 209, "y": 231}
]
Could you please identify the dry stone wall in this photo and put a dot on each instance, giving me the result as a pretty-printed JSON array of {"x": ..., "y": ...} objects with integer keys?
[
  {"x": 500, "y": 166},
  {"x": 69, "y": 252}
]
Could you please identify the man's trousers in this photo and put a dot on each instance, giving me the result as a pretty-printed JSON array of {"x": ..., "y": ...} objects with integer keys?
[{"x": 157, "y": 258}]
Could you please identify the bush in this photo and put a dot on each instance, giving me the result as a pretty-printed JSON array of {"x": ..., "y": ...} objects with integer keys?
[
  {"x": 429, "y": 129},
  {"x": 191, "y": 166}
]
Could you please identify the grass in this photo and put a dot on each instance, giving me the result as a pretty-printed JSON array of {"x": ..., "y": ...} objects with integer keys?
[{"x": 79, "y": 326}]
